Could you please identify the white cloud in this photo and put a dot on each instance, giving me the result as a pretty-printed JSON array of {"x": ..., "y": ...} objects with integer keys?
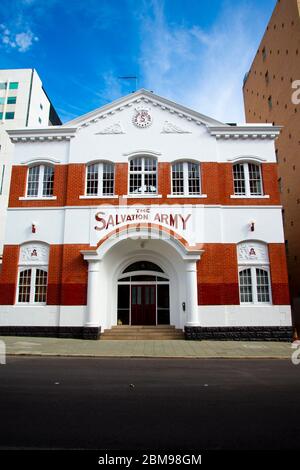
[
  {"x": 201, "y": 69},
  {"x": 25, "y": 40},
  {"x": 22, "y": 41}
]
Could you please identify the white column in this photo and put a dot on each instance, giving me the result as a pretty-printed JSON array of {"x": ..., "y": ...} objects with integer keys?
[
  {"x": 93, "y": 304},
  {"x": 192, "y": 294}
]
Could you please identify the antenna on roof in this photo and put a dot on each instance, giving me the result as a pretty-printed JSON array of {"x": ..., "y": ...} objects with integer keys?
[{"x": 130, "y": 77}]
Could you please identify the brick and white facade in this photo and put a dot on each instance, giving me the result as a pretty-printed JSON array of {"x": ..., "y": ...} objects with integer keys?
[{"x": 67, "y": 253}]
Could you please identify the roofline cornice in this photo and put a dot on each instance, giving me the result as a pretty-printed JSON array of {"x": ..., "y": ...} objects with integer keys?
[
  {"x": 245, "y": 132},
  {"x": 43, "y": 134}
]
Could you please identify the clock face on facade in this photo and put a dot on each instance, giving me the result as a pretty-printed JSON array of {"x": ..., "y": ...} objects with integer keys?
[{"x": 142, "y": 118}]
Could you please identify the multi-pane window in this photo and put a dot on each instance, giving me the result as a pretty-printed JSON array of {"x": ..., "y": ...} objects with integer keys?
[
  {"x": 246, "y": 285},
  {"x": 11, "y": 100},
  {"x": 40, "y": 181},
  {"x": 100, "y": 179},
  {"x": 247, "y": 179},
  {"x": 143, "y": 175},
  {"x": 185, "y": 179},
  {"x": 32, "y": 286},
  {"x": 14, "y": 85},
  {"x": 254, "y": 285}
]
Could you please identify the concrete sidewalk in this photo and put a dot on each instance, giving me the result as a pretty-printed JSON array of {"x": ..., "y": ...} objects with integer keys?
[{"x": 174, "y": 348}]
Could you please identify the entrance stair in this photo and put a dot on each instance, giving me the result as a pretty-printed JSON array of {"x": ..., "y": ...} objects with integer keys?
[{"x": 126, "y": 332}]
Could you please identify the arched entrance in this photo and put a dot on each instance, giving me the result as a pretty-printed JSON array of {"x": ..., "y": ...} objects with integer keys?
[
  {"x": 143, "y": 295},
  {"x": 175, "y": 262}
]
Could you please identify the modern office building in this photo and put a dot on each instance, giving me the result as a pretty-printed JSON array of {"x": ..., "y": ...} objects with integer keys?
[
  {"x": 145, "y": 213},
  {"x": 23, "y": 103},
  {"x": 272, "y": 94}
]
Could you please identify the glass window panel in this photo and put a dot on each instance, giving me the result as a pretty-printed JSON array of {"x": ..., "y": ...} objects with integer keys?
[
  {"x": 246, "y": 286},
  {"x": 194, "y": 178},
  {"x": 108, "y": 179},
  {"x": 163, "y": 296},
  {"x": 177, "y": 179},
  {"x": 135, "y": 184},
  {"x": 48, "y": 181},
  {"x": 3, "y": 86},
  {"x": 123, "y": 296},
  {"x": 11, "y": 100},
  {"x": 2, "y": 100},
  {"x": 33, "y": 181},
  {"x": 143, "y": 266},
  {"x": 150, "y": 183},
  {"x": 255, "y": 180},
  {"x": 40, "y": 286},
  {"x": 239, "y": 179},
  {"x": 9, "y": 115},
  {"x": 263, "y": 288},
  {"x": 14, "y": 85},
  {"x": 139, "y": 295},
  {"x": 24, "y": 286},
  {"x": 92, "y": 180},
  {"x": 142, "y": 278}
]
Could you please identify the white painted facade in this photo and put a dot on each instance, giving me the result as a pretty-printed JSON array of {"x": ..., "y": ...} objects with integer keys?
[
  {"x": 32, "y": 109},
  {"x": 176, "y": 133}
]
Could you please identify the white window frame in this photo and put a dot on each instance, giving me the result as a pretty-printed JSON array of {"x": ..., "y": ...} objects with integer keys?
[
  {"x": 247, "y": 180},
  {"x": 143, "y": 173},
  {"x": 100, "y": 180},
  {"x": 186, "y": 192},
  {"x": 254, "y": 284},
  {"x": 40, "y": 182},
  {"x": 32, "y": 284}
]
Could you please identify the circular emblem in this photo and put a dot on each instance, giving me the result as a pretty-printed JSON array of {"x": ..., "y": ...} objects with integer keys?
[{"x": 142, "y": 117}]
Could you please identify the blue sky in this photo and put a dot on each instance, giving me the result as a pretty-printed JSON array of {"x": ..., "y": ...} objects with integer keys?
[{"x": 195, "y": 52}]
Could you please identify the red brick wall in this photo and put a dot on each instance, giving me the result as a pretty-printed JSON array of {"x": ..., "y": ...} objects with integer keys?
[
  {"x": 279, "y": 275},
  {"x": 9, "y": 275},
  {"x": 218, "y": 275},
  {"x": 216, "y": 180},
  {"x": 74, "y": 275},
  {"x": 18, "y": 188}
]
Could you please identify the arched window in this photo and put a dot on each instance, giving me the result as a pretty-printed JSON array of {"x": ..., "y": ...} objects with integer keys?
[
  {"x": 40, "y": 181},
  {"x": 33, "y": 274},
  {"x": 185, "y": 179},
  {"x": 247, "y": 179},
  {"x": 100, "y": 179},
  {"x": 254, "y": 273},
  {"x": 143, "y": 175}
]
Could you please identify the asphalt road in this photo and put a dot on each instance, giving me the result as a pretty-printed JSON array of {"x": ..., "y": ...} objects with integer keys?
[{"x": 89, "y": 403}]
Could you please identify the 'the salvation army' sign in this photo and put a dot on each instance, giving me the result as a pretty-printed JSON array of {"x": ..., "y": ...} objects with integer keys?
[{"x": 105, "y": 221}]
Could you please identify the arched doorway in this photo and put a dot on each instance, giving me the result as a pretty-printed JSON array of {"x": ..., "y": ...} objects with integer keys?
[{"x": 143, "y": 295}]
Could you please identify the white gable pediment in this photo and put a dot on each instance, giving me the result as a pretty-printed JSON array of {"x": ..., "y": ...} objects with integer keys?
[{"x": 143, "y": 98}]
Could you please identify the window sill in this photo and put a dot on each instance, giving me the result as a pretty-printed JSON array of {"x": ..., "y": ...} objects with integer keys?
[
  {"x": 142, "y": 196},
  {"x": 28, "y": 304},
  {"x": 98, "y": 197},
  {"x": 29, "y": 198},
  {"x": 235, "y": 196},
  {"x": 256, "y": 304},
  {"x": 187, "y": 196}
]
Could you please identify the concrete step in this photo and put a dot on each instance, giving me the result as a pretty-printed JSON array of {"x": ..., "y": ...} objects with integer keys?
[{"x": 142, "y": 332}]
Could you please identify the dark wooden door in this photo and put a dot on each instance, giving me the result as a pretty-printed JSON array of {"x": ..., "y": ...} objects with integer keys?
[{"x": 143, "y": 305}]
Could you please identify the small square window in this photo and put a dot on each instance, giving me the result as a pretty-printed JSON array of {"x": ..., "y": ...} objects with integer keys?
[
  {"x": 1, "y": 115},
  {"x": 40, "y": 121},
  {"x": 11, "y": 100},
  {"x": 9, "y": 115},
  {"x": 3, "y": 86},
  {"x": 41, "y": 106},
  {"x": 2, "y": 100},
  {"x": 14, "y": 85}
]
